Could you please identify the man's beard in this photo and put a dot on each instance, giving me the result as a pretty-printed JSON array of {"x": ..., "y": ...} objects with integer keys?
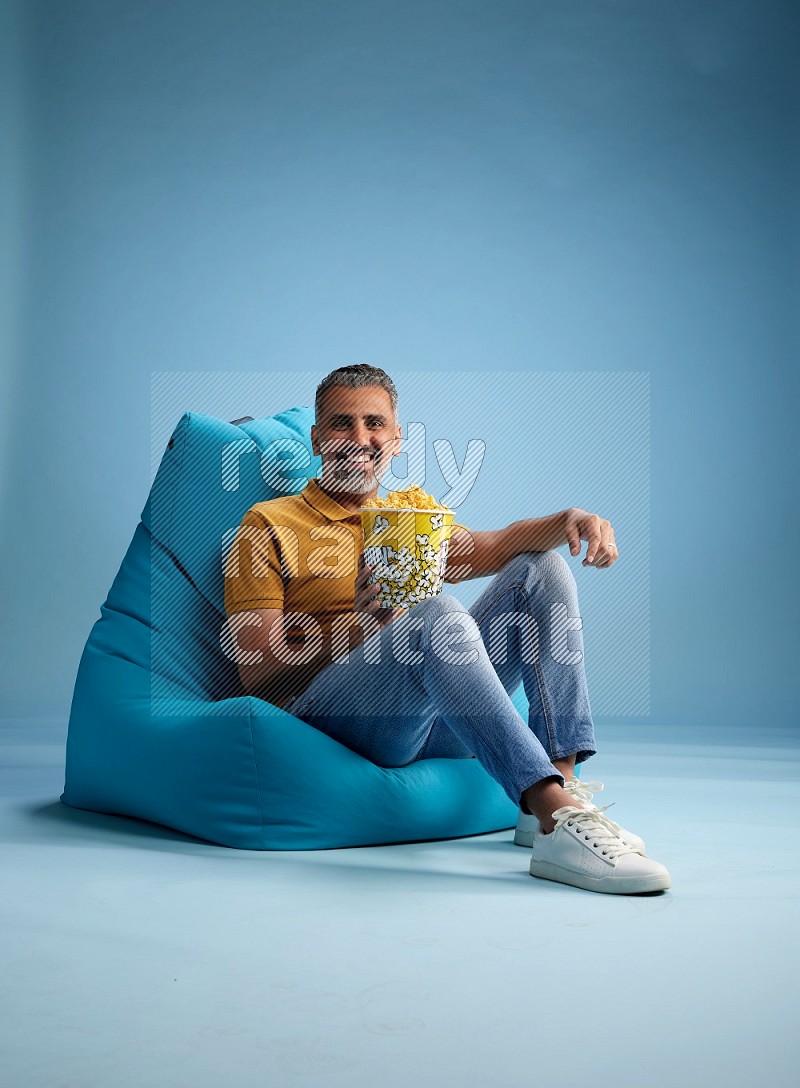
[{"x": 342, "y": 476}]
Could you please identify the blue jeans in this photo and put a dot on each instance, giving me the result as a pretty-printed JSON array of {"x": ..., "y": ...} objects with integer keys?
[{"x": 412, "y": 691}]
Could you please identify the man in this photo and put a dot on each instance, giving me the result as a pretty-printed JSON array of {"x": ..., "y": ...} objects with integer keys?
[{"x": 312, "y": 638}]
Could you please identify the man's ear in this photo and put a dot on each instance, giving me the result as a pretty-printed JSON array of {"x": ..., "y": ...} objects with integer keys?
[{"x": 314, "y": 440}]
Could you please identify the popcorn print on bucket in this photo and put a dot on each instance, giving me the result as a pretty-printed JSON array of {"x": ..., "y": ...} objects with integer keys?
[{"x": 407, "y": 544}]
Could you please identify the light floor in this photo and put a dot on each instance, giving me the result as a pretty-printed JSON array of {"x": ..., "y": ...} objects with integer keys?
[{"x": 134, "y": 957}]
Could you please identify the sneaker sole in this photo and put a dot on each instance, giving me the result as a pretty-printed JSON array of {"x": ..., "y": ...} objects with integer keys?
[{"x": 623, "y": 886}]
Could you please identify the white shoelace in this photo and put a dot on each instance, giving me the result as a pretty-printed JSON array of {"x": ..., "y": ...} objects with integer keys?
[
  {"x": 593, "y": 828},
  {"x": 583, "y": 791}
]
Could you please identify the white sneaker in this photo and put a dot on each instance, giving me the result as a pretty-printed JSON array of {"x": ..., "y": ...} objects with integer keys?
[
  {"x": 585, "y": 852},
  {"x": 583, "y": 792}
]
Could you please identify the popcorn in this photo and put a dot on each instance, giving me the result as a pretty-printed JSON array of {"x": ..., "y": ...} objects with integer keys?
[{"x": 407, "y": 498}]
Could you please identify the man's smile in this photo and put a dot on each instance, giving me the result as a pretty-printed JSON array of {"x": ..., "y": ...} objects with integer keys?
[{"x": 357, "y": 460}]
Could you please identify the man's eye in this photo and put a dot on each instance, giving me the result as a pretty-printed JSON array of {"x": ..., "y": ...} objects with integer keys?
[{"x": 342, "y": 425}]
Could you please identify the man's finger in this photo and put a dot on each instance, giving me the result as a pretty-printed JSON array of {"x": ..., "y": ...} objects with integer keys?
[
  {"x": 609, "y": 549},
  {"x": 594, "y": 544}
]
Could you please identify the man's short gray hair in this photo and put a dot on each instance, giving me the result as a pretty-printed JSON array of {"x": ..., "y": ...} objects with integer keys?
[{"x": 355, "y": 377}]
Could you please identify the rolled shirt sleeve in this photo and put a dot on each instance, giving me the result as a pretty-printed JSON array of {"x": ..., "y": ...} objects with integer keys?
[{"x": 253, "y": 567}]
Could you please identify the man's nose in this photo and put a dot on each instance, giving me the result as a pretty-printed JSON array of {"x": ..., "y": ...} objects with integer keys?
[{"x": 361, "y": 437}]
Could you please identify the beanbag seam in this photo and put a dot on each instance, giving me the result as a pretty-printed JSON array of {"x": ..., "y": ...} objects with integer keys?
[
  {"x": 255, "y": 764},
  {"x": 183, "y": 435}
]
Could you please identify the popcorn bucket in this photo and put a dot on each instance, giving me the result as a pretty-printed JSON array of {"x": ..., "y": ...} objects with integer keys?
[{"x": 407, "y": 549}]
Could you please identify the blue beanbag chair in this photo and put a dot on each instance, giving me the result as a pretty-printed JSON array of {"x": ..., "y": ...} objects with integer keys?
[{"x": 160, "y": 727}]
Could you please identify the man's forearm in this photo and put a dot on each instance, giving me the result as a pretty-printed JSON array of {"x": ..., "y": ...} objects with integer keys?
[
  {"x": 279, "y": 685},
  {"x": 284, "y": 679},
  {"x": 534, "y": 535},
  {"x": 476, "y": 555}
]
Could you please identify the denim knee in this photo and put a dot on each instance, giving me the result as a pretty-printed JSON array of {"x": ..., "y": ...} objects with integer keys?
[{"x": 549, "y": 567}]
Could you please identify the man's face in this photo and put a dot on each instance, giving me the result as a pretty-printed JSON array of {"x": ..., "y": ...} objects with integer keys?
[{"x": 357, "y": 436}]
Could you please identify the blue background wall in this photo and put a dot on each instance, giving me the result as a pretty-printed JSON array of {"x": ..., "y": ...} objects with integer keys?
[{"x": 270, "y": 190}]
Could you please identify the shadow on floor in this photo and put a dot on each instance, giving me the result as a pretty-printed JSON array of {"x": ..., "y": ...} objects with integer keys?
[
  {"x": 70, "y": 823},
  {"x": 64, "y": 825}
]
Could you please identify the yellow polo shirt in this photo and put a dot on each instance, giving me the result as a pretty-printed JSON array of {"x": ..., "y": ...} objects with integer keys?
[{"x": 299, "y": 553}]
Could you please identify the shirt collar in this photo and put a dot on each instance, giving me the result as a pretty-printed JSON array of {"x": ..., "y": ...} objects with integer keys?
[{"x": 324, "y": 504}]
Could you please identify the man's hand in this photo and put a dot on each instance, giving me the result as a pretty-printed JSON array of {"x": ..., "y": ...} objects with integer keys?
[
  {"x": 366, "y": 596},
  {"x": 581, "y": 525}
]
